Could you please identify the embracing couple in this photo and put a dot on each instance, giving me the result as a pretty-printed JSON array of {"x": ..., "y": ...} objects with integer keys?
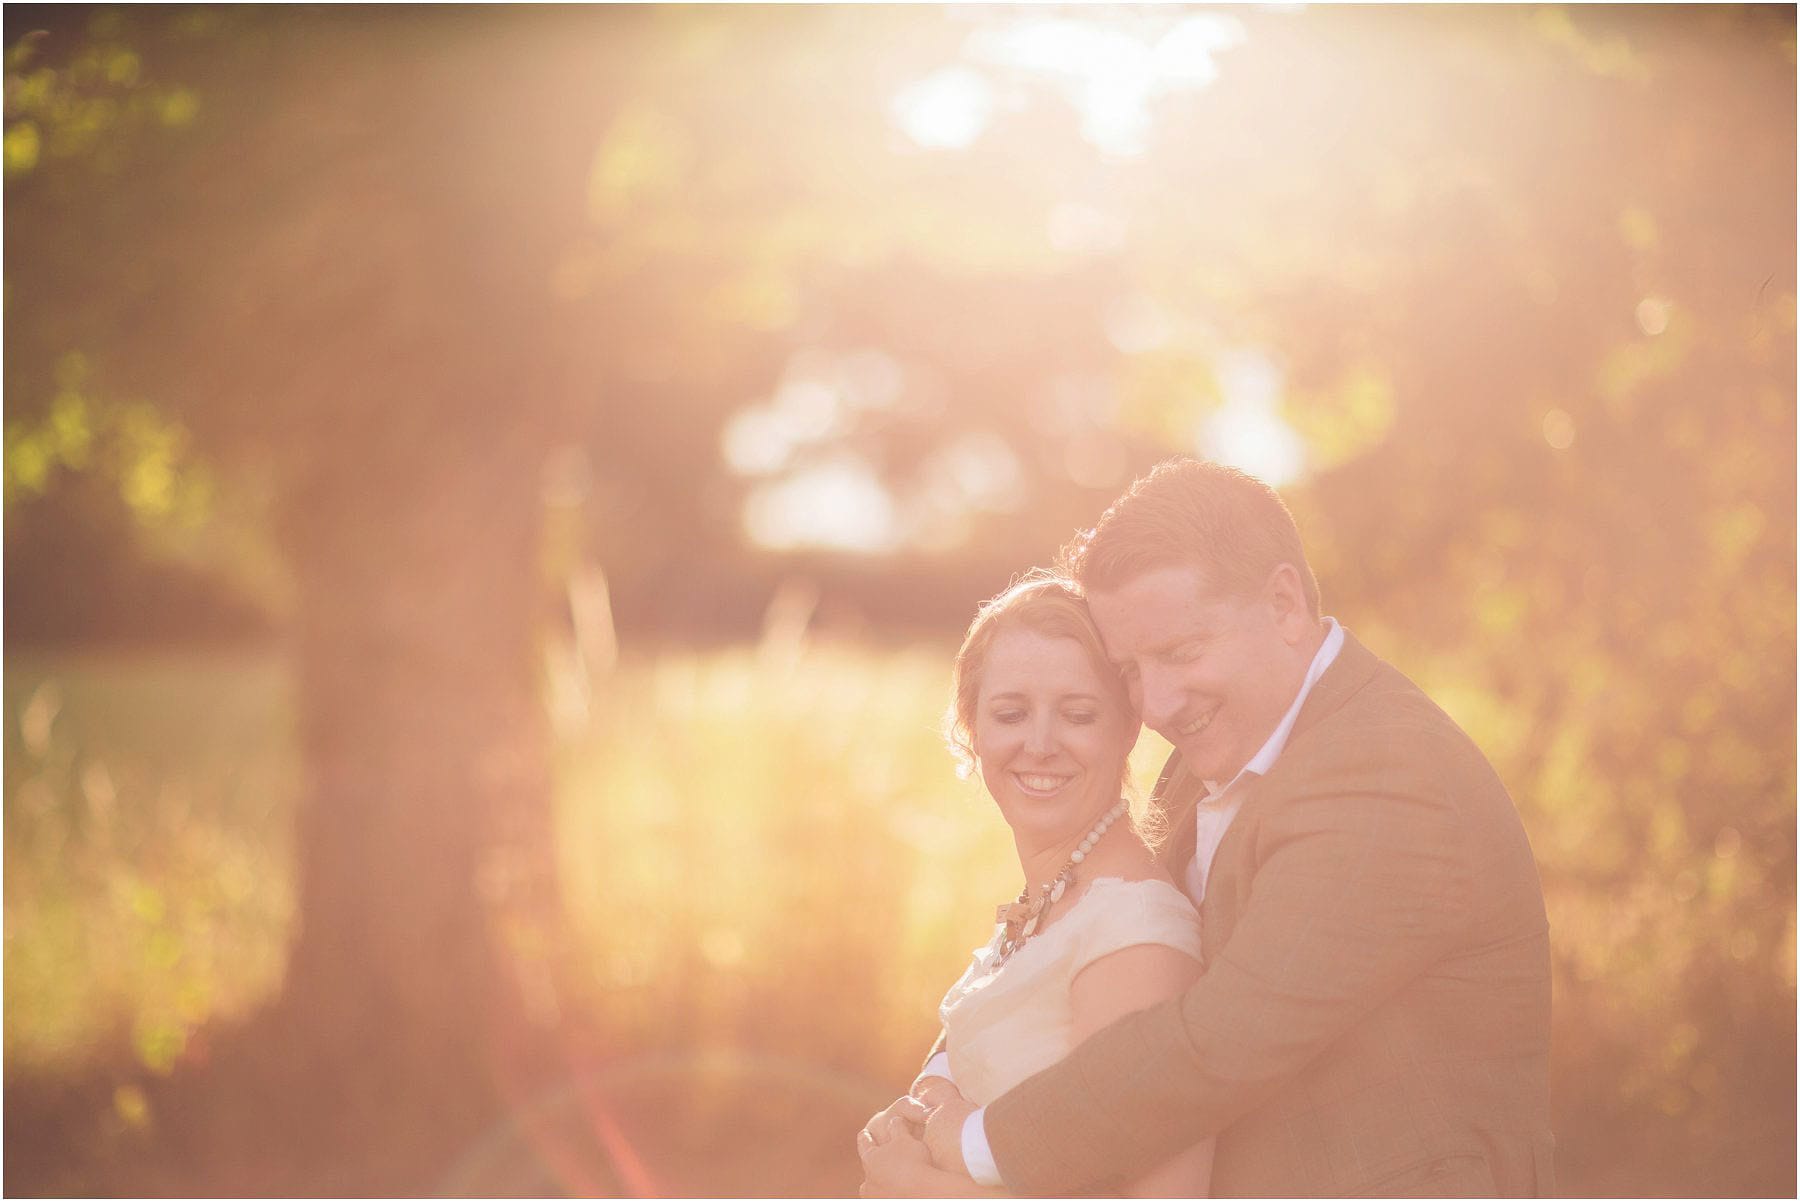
[{"x": 1319, "y": 966}]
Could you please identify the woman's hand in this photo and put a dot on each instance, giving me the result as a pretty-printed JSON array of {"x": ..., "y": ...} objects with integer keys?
[
  {"x": 904, "y": 1116},
  {"x": 936, "y": 1091},
  {"x": 937, "y": 1124},
  {"x": 900, "y": 1167},
  {"x": 896, "y": 1166}
]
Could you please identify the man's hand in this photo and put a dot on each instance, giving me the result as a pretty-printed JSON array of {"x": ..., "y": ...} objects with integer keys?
[{"x": 943, "y": 1134}]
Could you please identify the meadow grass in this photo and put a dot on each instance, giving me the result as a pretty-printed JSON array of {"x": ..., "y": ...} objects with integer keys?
[
  {"x": 777, "y": 851},
  {"x": 762, "y": 852},
  {"x": 771, "y": 871}
]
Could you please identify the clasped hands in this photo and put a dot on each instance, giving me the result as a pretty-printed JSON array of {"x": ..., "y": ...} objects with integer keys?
[{"x": 913, "y": 1149}]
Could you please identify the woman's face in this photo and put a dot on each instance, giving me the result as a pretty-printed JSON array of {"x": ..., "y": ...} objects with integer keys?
[{"x": 1050, "y": 734}]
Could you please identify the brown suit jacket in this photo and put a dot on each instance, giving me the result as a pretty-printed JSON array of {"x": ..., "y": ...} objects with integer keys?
[{"x": 1374, "y": 1017}]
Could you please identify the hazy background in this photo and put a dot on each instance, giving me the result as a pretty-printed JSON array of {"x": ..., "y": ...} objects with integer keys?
[{"x": 491, "y": 495}]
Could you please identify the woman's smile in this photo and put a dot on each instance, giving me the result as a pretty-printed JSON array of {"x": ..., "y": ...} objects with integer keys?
[{"x": 1040, "y": 784}]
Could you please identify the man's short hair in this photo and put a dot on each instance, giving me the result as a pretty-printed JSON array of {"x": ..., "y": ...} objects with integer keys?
[{"x": 1192, "y": 513}]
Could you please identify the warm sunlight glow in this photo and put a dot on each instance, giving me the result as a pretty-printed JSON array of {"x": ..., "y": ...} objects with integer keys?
[
  {"x": 1653, "y": 315},
  {"x": 1254, "y": 438},
  {"x": 837, "y": 505},
  {"x": 1136, "y": 324},
  {"x": 946, "y": 110},
  {"x": 1108, "y": 74},
  {"x": 495, "y": 573},
  {"x": 761, "y": 441},
  {"x": 1081, "y": 229},
  {"x": 980, "y": 471},
  {"x": 1247, "y": 431}
]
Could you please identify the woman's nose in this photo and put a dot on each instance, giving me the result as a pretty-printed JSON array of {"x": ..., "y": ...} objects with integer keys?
[{"x": 1040, "y": 737}]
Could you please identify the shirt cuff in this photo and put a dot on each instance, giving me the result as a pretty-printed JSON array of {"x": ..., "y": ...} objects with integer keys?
[
  {"x": 938, "y": 1066},
  {"x": 978, "y": 1158}
]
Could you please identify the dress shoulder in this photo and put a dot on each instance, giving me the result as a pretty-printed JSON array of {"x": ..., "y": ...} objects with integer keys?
[{"x": 1116, "y": 914}]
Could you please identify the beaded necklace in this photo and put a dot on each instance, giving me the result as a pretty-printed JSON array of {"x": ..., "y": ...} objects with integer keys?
[{"x": 1023, "y": 916}]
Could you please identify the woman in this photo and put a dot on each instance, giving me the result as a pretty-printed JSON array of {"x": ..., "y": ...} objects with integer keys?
[{"x": 1099, "y": 929}]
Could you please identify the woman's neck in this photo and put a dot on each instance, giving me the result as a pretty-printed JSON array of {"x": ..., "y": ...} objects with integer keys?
[{"x": 1042, "y": 861}]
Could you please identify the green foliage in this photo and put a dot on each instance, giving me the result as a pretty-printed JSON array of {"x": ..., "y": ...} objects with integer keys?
[
  {"x": 148, "y": 878},
  {"x": 89, "y": 104},
  {"x": 141, "y": 466},
  {"x": 148, "y": 456}
]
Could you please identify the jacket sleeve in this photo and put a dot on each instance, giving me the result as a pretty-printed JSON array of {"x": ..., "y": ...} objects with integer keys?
[{"x": 1356, "y": 890}]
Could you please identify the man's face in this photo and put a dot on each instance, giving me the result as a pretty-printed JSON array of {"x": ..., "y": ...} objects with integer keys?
[{"x": 1211, "y": 673}]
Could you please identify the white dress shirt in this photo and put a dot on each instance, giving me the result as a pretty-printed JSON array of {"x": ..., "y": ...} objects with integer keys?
[{"x": 1212, "y": 818}]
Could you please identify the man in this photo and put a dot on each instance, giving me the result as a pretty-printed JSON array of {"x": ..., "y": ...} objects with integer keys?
[{"x": 1374, "y": 1015}]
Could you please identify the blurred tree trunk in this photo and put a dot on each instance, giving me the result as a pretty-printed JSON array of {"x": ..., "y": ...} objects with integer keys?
[
  {"x": 341, "y": 280},
  {"x": 387, "y": 344},
  {"x": 425, "y": 866},
  {"x": 421, "y": 983}
]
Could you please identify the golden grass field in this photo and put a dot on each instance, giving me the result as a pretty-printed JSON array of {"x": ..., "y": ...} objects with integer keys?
[{"x": 770, "y": 869}]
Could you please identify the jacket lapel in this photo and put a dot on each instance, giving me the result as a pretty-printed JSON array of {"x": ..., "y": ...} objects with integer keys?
[{"x": 1353, "y": 668}]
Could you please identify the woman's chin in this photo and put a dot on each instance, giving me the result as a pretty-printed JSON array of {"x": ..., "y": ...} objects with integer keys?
[{"x": 1064, "y": 817}]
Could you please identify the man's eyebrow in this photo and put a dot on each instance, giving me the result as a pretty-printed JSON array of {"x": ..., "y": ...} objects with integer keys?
[{"x": 1160, "y": 648}]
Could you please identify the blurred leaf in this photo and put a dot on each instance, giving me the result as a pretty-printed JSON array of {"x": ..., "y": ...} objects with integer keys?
[{"x": 21, "y": 148}]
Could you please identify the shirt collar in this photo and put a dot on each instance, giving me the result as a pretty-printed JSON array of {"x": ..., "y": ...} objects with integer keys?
[{"x": 1263, "y": 760}]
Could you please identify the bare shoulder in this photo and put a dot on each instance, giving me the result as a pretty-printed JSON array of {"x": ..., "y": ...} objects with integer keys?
[{"x": 1131, "y": 860}]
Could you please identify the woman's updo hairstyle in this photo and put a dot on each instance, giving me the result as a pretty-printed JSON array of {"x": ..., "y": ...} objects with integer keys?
[{"x": 1045, "y": 603}]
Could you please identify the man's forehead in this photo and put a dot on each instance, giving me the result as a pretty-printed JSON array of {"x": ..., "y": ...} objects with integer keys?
[
  {"x": 1157, "y": 590},
  {"x": 1183, "y": 577},
  {"x": 1153, "y": 616}
]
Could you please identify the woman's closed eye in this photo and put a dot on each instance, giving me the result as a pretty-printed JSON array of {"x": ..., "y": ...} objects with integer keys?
[
  {"x": 1081, "y": 717},
  {"x": 1010, "y": 717}
]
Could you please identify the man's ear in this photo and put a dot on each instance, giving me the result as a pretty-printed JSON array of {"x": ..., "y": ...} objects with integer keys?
[{"x": 1286, "y": 598}]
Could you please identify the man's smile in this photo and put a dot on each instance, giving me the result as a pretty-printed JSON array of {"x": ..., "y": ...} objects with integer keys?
[{"x": 1198, "y": 724}]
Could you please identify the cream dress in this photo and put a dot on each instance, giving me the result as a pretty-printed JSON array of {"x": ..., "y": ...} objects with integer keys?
[{"x": 1002, "y": 1025}]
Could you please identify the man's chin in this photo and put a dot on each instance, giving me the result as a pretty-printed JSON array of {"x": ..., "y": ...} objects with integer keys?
[{"x": 1206, "y": 763}]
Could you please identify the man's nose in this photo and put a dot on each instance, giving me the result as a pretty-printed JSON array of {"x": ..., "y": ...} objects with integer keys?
[{"x": 1161, "y": 696}]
